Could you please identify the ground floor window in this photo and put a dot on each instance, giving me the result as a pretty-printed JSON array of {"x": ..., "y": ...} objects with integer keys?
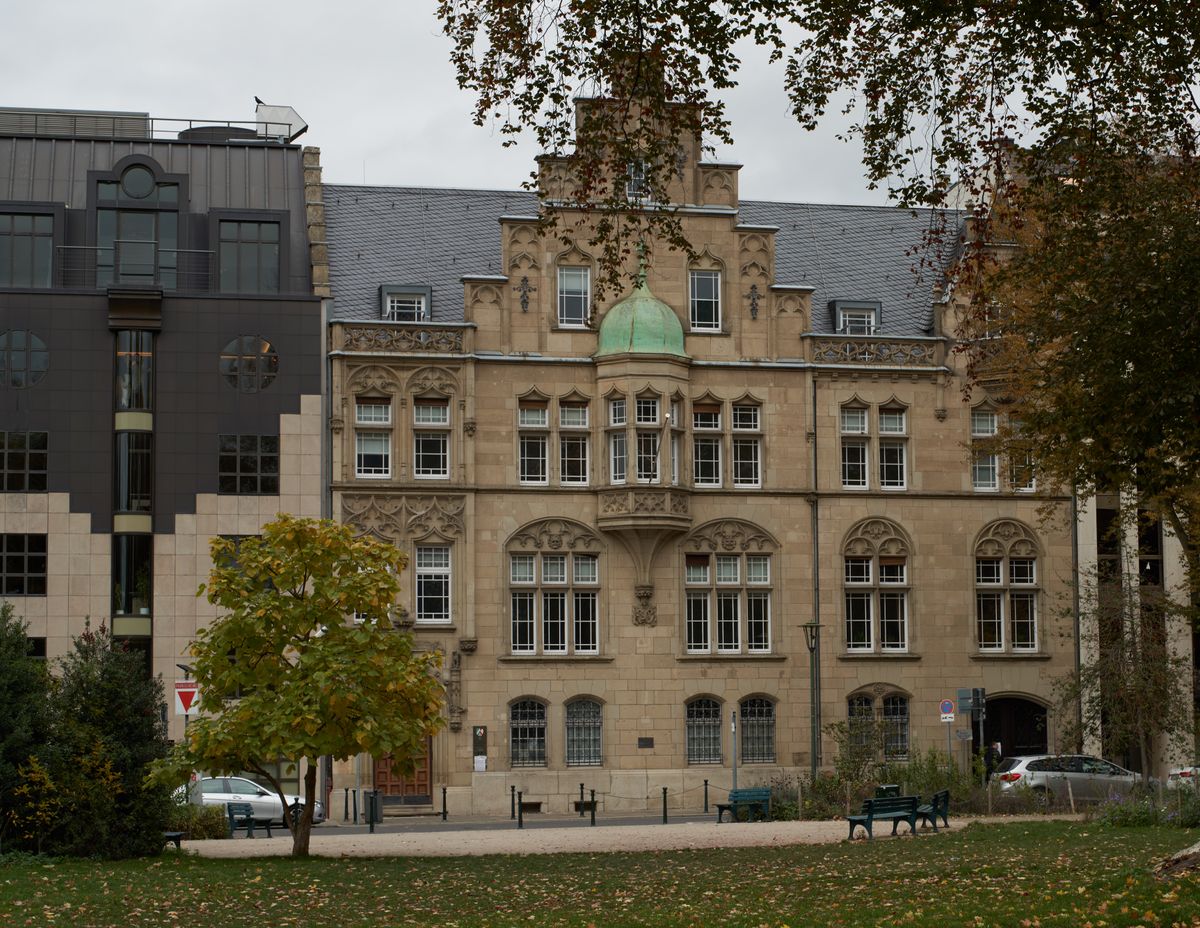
[
  {"x": 757, "y": 730},
  {"x": 703, "y": 731},
  {"x": 583, "y": 733},
  {"x": 527, "y": 733}
]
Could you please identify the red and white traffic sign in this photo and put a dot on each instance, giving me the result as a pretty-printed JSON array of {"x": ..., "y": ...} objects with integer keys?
[
  {"x": 946, "y": 708},
  {"x": 187, "y": 693}
]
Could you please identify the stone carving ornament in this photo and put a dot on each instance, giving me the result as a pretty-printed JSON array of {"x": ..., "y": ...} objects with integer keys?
[
  {"x": 432, "y": 380},
  {"x": 556, "y": 535},
  {"x": 1006, "y": 537},
  {"x": 371, "y": 378},
  {"x": 645, "y": 612},
  {"x": 400, "y": 518},
  {"x": 729, "y": 535},
  {"x": 904, "y": 354},
  {"x": 877, "y": 536},
  {"x": 397, "y": 340}
]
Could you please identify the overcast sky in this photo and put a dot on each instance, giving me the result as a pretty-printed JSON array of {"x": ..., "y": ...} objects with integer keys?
[{"x": 371, "y": 79}]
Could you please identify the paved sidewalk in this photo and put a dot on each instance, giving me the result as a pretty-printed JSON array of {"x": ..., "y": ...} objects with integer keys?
[{"x": 454, "y": 842}]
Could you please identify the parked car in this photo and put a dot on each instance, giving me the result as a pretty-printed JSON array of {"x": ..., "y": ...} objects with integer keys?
[
  {"x": 1091, "y": 778},
  {"x": 216, "y": 791},
  {"x": 1184, "y": 776}
]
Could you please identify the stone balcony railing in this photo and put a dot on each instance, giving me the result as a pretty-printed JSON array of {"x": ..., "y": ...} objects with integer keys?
[
  {"x": 645, "y": 507},
  {"x": 893, "y": 352},
  {"x": 395, "y": 339}
]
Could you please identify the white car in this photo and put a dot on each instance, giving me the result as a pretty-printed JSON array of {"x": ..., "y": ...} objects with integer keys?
[
  {"x": 1184, "y": 776},
  {"x": 216, "y": 791}
]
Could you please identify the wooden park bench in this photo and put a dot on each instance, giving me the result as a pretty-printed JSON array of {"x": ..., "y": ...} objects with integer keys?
[
  {"x": 241, "y": 815},
  {"x": 937, "y": 807},
  {"x": 751, "y": 799},
  {"x": 897, "y": 809}
]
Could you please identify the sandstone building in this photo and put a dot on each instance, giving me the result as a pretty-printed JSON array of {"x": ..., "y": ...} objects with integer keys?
[{"x": 629, "y": 516}]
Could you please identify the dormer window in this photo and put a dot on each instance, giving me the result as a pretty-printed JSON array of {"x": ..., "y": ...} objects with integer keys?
[
  {"x": 405, "y": 303},
  {"x": 852, "y": 317}
]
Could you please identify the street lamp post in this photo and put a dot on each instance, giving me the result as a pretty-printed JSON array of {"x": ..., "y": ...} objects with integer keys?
[
  {"x": 733, "y": 738},
  {"x": 812, "y": 638}
]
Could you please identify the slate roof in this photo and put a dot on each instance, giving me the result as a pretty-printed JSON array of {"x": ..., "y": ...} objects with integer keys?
[{"x": 434, "y": 237}]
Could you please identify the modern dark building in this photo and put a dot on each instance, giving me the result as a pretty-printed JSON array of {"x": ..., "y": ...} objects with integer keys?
[{"x": 160, "y": 363}]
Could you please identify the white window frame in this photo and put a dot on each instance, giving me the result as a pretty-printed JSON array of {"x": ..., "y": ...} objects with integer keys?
[
  {"x": 618, "y": 457},
  {"x": 442, "y": 573},
  {"x": 856, "y": 321},
  {"x": 870, "y": 582},
  {"x": 574, "y": 296},
  {"x": 362, "y": 454},
  {"x": 574, "y": 476},
  {"x": 718, "y": 593},
  {"x": 574, "y": 583},
  {"x": 406, "y": 307},
  {"x": 374, "y": 414},
  {"x": 428, "y": 426},
  {"x": 710, "y": 319}
]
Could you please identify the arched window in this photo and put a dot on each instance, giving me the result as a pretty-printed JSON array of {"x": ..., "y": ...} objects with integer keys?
[
  {"x": 24, "y": 359},
  {"x": 879, "y": 719},
  {"x": 895, "y": 727},
  {"x": 860, "y": 716},
  {"x": 876, "y": 585},
  {"x": 758, "y": 730},
  {"x": 583, "y": 733},
  {"x": 1006, "y": 588},
  {"x": 728, "y": 586},
  {"x": 554, "y": 589},
  {"x": 703, "y": 731},
  {"x": 527, "y": 733}
]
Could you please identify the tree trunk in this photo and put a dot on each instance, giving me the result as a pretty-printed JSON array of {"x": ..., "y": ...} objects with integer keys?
[
  {"x": 1179, "y": 863},
  {"x": 302, "y": 830}
]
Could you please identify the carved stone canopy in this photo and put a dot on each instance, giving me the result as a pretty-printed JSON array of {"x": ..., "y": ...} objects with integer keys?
[
  {"x": 1006, "y": 538},
  {"x": 729, "y": 536},
  {"x": 555, "y": 535},
  {"x": 872, "y": 537}
]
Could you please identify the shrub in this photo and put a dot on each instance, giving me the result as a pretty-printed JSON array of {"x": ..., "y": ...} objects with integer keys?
[
  {"x": 1136, "y": 808},
  {"x": 86, "y": 794},
  {"x": 199, "y": 823}
]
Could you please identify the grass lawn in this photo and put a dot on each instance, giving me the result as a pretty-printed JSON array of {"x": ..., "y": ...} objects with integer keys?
[{"x": 1028, "y": 874}]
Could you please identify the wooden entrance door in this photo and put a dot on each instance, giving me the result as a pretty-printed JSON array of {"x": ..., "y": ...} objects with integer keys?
[{"x": 411, "y": 790}]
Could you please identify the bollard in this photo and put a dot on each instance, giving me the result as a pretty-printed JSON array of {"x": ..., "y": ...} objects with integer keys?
[
  {"x": 593, "y": 804},
  {"x": 520, "y": 812},
  {"x": 443, "y": 803},
  {"x": 512, "y": 811},
  {"x": 581, "y": 800},
  {"x": 356, "y": 805},
  {"x": 369, "y": 801},
  {"x": 706, "y": 797},
  {"x": 664, "y": 805},
  {"x": 346, "y": 803}
]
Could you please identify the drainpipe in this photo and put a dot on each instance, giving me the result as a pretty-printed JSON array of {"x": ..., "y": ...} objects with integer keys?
[
  {"x": 814, "y": 511},
  {"x": 1075, "y": 609}
]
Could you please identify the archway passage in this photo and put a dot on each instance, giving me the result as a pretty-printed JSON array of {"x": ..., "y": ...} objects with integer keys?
[
  {"x": 399, "y": 789},
  {"x": 1018, "y": 724}
]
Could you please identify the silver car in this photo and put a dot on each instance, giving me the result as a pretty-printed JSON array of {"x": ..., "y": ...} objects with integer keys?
[
  {"x": 1091, "y": 779},
  {"x": 216, "y": 791}
]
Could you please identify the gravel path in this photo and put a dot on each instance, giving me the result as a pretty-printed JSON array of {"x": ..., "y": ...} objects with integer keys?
[{"x": 545, "y": 840}]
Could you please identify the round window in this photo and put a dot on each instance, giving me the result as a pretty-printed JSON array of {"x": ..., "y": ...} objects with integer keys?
[
  {"x": 24, "y": 359},
  {"x": 137, "y": 182},
  {"x": 249, "y": 363}
]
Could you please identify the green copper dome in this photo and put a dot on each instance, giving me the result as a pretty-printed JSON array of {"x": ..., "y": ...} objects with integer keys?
[{"x": 641, "y": 324}]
